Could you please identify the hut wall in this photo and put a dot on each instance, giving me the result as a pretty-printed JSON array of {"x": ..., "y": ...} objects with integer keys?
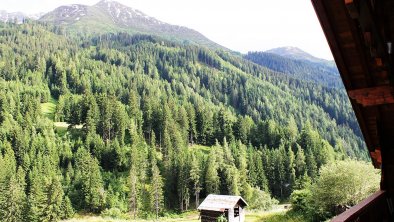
[
  {"x": 209, "y": 216},
  {"x": 231, "y": 215}
]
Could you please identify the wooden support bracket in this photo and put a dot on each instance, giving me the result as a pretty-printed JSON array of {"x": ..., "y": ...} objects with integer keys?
[
  {"x": 373, "y": 96},
  {"x": 352, "y": 9}
]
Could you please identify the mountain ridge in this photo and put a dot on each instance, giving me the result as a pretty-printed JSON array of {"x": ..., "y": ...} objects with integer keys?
[
  {"x": 299, "y": 65},
  {"x": 111, "y": 16},
  {"x": 296, "y": 53},
  {"x": 17, "y": 17}
]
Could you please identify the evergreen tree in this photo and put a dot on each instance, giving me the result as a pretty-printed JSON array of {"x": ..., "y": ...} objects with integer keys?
[
  {"x": 89, "y": 179},
  {"x": 195, "y": 178},
  {"x": 211, "y": 175},
  {"x": 133, "y": 179},
  {"x": 67, "y": 209},
  {"x": 12, "y": 187},
  {"x": 156, "y": 193},
  {"x": 299, "y": 162}
]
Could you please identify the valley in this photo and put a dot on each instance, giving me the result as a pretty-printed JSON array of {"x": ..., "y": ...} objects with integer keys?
[{"x": 108, "y": 112}]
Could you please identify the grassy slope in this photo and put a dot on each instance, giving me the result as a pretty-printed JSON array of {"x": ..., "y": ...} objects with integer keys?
[
  {"x": 48, "y": 109},
  {"x": 186, "y": 217},
  {"x": 201, "y": 148},
  {"x": 279, "y": 213}
]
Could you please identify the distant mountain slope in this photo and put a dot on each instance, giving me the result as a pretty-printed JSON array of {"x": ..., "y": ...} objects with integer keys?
[
  {"x": 296, "y": 53},
  {"x": 300, "y": 65},
  {"x": 111, "y": 16},
  {"x": 17, "y": 17}
]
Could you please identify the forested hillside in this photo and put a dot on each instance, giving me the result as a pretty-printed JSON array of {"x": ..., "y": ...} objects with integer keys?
[
  {"x": 321, "y": 72},
  {"x": 153, "y": 125}
]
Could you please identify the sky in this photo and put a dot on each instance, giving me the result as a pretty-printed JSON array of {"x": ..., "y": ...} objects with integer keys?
[{"x": 240, "y": 25}]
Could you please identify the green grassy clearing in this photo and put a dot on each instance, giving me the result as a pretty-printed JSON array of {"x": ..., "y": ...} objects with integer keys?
[
  {"x": 276, "y": 215},
  {"x": 49, "y": 108},
  {"x": 191, "y": 216},
  {"x": 288, "y": 216},
  {"x": 201, "y": 148}
]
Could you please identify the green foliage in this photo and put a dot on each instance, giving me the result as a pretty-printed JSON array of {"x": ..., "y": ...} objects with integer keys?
[
  {"x": 344, "y": 183},
  {"x": 67, "y": 208},
  {"x": 112, "y": 213},
  {"x": 211, "y": 176},
  {"x": 88, "y": 190},
  {"x": 300, "y": 200},
  {"x": 339, "y": 185},
  {"x": 156, "y": 191},
  {"x": 289, "y": 216},
  {"x": 261, "y": 200},
  {"x": 147, "y": 125},
  {"x": 222, "y": 218}
]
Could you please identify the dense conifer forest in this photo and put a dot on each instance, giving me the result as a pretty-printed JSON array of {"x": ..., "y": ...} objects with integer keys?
[{"x": 154, "y": 126}]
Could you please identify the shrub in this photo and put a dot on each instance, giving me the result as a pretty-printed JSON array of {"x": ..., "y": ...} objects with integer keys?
[
  {"x": 300, "y": 200},
  {"x": 340, "y": 184},
  {"x": 221, "y": 219},
  {"x": 261, "y": 200},
  {"x": 112, "y": 212}
]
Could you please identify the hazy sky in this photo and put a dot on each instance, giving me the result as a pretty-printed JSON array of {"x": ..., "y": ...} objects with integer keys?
[{"x": 241, "y": 25}]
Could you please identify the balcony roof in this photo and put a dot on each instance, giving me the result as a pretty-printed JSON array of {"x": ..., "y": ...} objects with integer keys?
[{"x": 359, "y": 33}]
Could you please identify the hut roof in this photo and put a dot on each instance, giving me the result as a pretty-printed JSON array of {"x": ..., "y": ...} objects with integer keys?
[{"x": 221, "y": 202}]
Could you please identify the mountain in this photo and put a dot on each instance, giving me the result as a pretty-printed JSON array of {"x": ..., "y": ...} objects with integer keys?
[
  {"x": 111, "y": 16},
  {"x": 17, "y": 17},
  {"x": 297, "y": 63},
  {"x": 12, "y": 17},
  {"x": 296, "y": 53}
]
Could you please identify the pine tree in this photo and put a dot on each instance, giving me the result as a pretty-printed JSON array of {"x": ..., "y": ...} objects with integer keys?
[
  {"x": 211, "y": 175},
  {"x": 133, "y": 180},
  {"x": 243, "y": 168},
  {"x": 53, "y": 202},
  {"x": 290, "y": 172},
  {"x": 13, "y": 207},
  {"x": 12, "y": 188},
  {"x": 311, "y": 165},
  {"x": 183, "y": 179},
  {"x": 156, "y": 193},
  {"x": 299, "y": 162},
  {"x": 195, "y": 178},
  {"x": 192, "y": 124},
  {"x": 280, "y": 168},
  {"x": 67, "y": 208},
  {"x": 89, "y": 177},
  {"x": 261, "y": 180},
  {"x": 232, "y": 180},
  {"x": 36, "y": 198}
]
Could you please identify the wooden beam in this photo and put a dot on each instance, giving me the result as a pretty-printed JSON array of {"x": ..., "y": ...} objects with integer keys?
[
  {"x": 352, "y": 9},
  {"x": 377, "y": 157},
  {"x": 373, "y": 96},
  {"x": 366, "y": 210},
  {"x": 335, "y": 46}
]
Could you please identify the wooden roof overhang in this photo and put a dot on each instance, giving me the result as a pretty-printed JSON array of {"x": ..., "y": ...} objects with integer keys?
[{"x": 360, "y": 34}]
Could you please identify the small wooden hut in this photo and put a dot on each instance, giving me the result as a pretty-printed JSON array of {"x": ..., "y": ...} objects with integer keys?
[{"x": 231, "y": 207}]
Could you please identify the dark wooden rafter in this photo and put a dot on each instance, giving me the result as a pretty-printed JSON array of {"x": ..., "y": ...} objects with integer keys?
[
  {"x": 376, "y": 157},
  {"x": 367, "y": 210},
  {"x": 360, "y": 34},
  {"x": 328, "y": 30},
  {"x": 373, "y": 96},
  {"x": 375, "y": 38},
  {"x": 357, "y": 40}
]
